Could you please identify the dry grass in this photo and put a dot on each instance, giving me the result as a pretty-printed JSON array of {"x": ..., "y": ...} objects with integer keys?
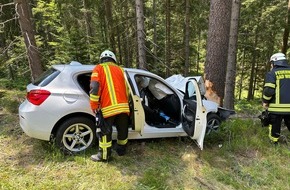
[{"x": 238, "y": 157}]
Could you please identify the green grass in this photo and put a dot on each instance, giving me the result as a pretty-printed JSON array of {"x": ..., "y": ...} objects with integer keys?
[{"x": 239, "y": 156}]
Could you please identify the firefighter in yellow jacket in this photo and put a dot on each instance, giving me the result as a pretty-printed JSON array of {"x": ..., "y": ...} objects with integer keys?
[
  {"x": 276, "y": 95},
  {"x": 109, "y": 94}
]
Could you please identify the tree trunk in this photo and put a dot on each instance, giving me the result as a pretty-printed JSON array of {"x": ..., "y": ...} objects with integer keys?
[
  {"x": 167, "y": 38},
  {"x": 154, "y": 33},
  {"x": 109, "y": 25},
  {"x": 232, "y": 57},
  {"x": 22, "y": 8},
  {"x": 286, "y": 31},
  {"x": 89, "y": 30},
  {"x": 242, "y": 74},
  {"x": 140, "y": 35},
  {"x": 217, "y": 49},
  {"x": 252, "y": 75},
  {"x": 186, "y": 39},
  {"x": 124, "y": 34},
  {"x": 198, "y": 52}
]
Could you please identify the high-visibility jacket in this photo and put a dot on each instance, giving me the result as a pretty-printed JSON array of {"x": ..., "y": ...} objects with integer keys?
[
  {"x": 277, "y": 90},
  {"x": 109, "y": 89}
]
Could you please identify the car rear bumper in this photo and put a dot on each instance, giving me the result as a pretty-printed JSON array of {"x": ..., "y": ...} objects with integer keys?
[{"x": 35, "y": 122}]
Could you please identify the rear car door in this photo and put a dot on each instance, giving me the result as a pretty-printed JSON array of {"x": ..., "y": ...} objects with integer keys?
[{"x": 194, "y": 113}]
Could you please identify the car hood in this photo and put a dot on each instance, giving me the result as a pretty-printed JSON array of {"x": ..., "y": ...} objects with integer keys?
[{"x": 179, "y": 82}]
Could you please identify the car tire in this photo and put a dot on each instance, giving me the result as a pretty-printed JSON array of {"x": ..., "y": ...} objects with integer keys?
[
  {"x": 76, "y": 135},
  {"x": 213, "y": 123}
]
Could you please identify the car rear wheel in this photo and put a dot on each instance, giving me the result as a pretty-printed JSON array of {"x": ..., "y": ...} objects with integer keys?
[
  {"x": 76, "y": 135},
  {"x": 213, "y": 123}
]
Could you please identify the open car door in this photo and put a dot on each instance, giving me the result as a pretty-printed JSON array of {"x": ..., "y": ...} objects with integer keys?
[
  {"x": 137, "y": 111},
  {"x": 194, "y": 113}
]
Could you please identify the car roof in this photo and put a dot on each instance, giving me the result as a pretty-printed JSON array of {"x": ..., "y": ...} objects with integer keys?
[{"x": 75, "y": 66}]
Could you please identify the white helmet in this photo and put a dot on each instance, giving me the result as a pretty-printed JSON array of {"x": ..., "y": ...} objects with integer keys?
[
  {"x": 109, "y": 54},
  {"x": 279, "y": 59}
]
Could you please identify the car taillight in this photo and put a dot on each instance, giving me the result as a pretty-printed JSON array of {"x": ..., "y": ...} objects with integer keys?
[{"x": 37, "y": 97}]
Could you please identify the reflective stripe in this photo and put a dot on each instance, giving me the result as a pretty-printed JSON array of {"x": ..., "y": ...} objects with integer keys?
[
  {"x": 104, "y": 145},
  {"x": 279, "y": 109},
  {"x": 115, "y": 109},
  {"x": 122, "y": 142},
  {"x": 267, "y": 97},
  {"x": 277, "y": 92},
  {"x": 280, "y": 105},
  {"x": 283, "y": 74},
  {"x": 94, "y": 98},
  {"x": 110, "y": 84},
  {"x": 271, "y": 85},
  {"x": 274, "y": 139},
  {"x": 95, "y": 74}
]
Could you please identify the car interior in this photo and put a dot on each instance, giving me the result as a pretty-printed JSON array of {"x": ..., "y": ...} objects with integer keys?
[
  {"x": 84, "y": 82},
  {"x": 161, "y": 105}
]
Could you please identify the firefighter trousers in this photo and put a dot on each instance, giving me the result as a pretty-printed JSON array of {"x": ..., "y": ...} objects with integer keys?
[
  {"x": 275, "y": 125},
  {"x": 105, "y": 140}
]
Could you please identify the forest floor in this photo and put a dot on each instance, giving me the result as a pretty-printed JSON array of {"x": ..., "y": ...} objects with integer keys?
[{"x": 238, "y": 156}]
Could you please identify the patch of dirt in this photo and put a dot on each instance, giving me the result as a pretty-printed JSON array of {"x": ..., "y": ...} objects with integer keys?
[{"x": 251, "y": 153}]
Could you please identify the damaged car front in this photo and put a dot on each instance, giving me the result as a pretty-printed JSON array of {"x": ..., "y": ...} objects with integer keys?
[{"x": 216, "y": 114}]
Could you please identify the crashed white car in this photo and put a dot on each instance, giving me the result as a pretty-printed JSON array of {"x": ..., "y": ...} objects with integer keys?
[
  {"x": 57, "y": 108},
  {"x": 216, "y": 114}
]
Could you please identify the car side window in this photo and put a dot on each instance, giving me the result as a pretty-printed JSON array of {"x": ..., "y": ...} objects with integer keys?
[
  {"x": 84, "y": 82},
  {"x": 46, "y": 77}
]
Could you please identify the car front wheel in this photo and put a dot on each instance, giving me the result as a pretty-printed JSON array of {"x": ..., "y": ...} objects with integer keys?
[
  {"x": 213, "y": 123},
  {"x": 76, "y": 135}
]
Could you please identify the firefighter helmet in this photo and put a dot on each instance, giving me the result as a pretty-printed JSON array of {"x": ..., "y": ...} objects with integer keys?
[
  {"x": 108, "y": 54},
  {"x": 279, "y": 59}
]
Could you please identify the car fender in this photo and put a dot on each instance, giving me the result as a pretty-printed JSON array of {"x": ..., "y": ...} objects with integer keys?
[
  {"x": 210, "y": 106},
  {"x": 225, "y": 113}
]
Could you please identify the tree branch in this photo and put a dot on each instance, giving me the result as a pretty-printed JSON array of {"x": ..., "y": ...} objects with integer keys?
[{"x": 2, "y": 24}]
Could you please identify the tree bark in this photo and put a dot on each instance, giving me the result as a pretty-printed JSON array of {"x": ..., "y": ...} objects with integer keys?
[
  {"x": 286, "y": 31},
  {"x": 141, "y": 35},
  {"x": 167, "y": 38},
  {"x": 240, "y": 86},
  {"x": 217, "y": 49},
  {"x": 187, "y": 32},
  {"x": 126, "y": 45},
  {"x": 109, "y": 25},
  {"x": 89, "y": 30},
  {"x": 229, "y": 97},
  {"x": 23, "y": 12},
  {"x": 252, "y": 75},
  {"x": 154, "y": 33}
]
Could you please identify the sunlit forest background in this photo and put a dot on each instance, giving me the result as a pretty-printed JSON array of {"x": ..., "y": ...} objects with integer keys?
[{"x": 80, "y": 30}]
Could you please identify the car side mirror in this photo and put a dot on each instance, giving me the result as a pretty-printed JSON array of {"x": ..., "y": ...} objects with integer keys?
[{"x": 189, "y": 90}]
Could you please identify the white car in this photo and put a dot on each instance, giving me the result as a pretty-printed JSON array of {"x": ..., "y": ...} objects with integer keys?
[{"x": 57, "y": 108}]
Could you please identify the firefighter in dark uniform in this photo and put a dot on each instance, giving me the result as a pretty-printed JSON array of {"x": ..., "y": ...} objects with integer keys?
[{"x": 276, "y": 95}]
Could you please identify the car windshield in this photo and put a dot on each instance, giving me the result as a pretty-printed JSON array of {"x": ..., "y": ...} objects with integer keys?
[{"x": 46, "y": 77}]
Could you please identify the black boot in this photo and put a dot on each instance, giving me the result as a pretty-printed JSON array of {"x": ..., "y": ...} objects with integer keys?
[{"x": 121, "y": 150}]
